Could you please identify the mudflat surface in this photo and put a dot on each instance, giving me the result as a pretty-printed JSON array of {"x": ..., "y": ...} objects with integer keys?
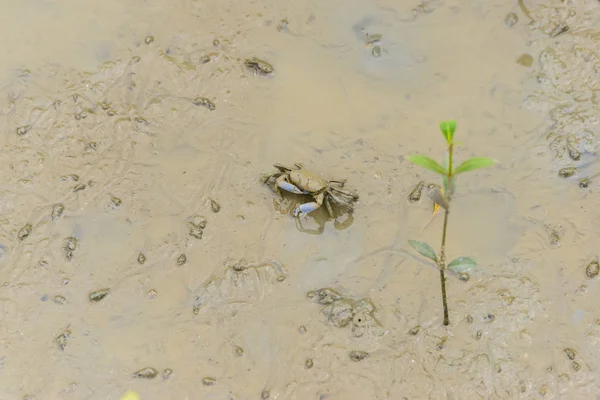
[{"x": 133, "y": 141}]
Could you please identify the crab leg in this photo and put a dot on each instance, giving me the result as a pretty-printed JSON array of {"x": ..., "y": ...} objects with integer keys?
[
  {"x": 266, "y": 177},
  {"x": 306, "y": 208},
  {"x": 329, "y": 209},
  {"x": 353, "y": 195},
  {"x": 341, "y": 183}
]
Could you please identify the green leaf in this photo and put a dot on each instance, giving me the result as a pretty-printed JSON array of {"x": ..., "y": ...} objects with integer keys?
[
  {"x": 474, "y": 163},
  {"x": 424, "y": 249},
  {"x": 462, "y": 264},
  {"x": 448, "y": 128},
  {"x": 426, "y": 162}
]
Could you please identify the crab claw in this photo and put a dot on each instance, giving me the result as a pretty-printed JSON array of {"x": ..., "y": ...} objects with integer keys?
[
  {"x": 288, "y": 187},
  {"x": 305, "y": 208}
]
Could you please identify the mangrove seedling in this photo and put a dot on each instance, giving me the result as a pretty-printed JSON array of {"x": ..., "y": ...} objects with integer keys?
[{"x": 442, "y": 196}]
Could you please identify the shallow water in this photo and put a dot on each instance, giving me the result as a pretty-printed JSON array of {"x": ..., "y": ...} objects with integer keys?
[{"x": 100, "y": 118}]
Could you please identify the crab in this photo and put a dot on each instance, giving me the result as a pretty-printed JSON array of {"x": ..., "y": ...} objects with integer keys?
[{"x": 299, "y": 180}]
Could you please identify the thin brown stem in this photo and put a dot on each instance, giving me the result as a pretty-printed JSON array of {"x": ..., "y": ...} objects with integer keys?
[
  {"x": 442, "y": 262},
  {"x": 444, "y": 301},
  {"x": 442, "y": 267}
]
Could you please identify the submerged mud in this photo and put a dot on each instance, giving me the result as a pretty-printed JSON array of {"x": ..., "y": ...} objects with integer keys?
[{"x": 139, "y": 249}]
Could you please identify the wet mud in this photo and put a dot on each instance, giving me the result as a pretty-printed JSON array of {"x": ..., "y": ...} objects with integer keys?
[{"x": 140, "y": 250}]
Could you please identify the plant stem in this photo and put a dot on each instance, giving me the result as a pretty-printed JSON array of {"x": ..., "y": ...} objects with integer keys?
[
  {"x": 442, "y": 267},
  {"x": 442, "y": 263},
  {"x": 450, "y": 149}
]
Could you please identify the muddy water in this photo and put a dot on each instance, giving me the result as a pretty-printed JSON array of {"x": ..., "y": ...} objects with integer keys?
[{"x": 108, "y": 155}]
